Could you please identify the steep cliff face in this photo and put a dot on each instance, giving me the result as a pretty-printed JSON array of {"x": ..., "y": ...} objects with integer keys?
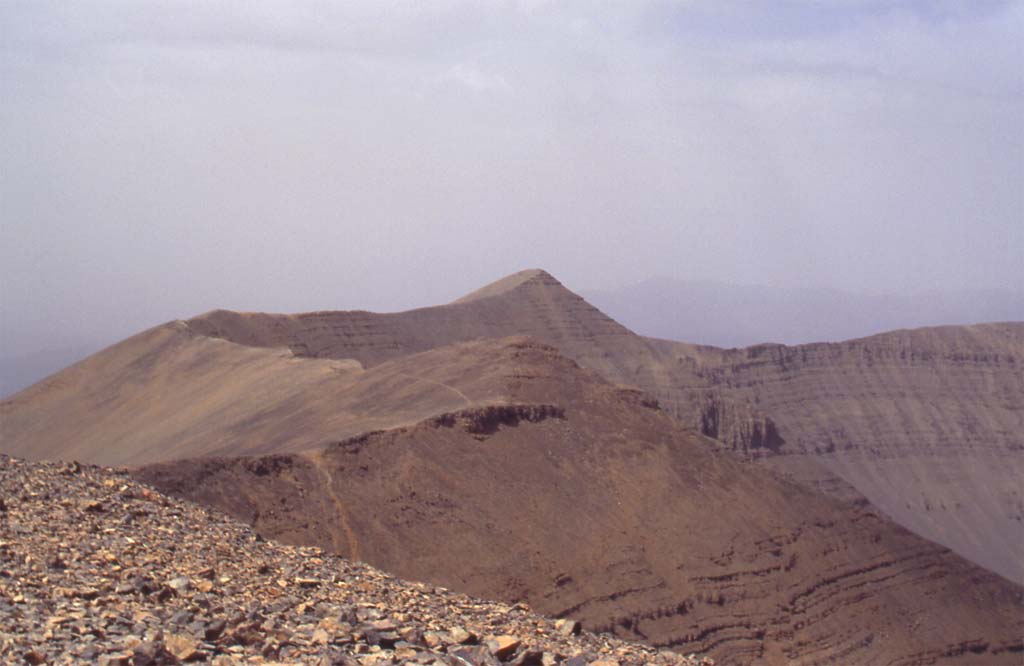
[{"x": 585, "y": 500}]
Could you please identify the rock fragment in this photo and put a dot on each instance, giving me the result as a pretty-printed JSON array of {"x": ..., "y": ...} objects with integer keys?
[
  {"x": 179, "y": 584},
  {"x": 461, "y": 636},
  {"x": 96, "y": 568}
]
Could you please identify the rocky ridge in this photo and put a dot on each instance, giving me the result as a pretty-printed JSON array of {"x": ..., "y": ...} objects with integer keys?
[
  {"x": 96, "y": 567},
  {"x": 583, "y": 499},
  {"x": 939, "y": 409},
  {"x": 923, "y": 425}
]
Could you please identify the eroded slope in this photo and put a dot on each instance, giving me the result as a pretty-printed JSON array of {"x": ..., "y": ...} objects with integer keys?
[
  {"x": 584, "y": 499},
  {"x": 927, "y": 425},
  {"x": 99, "y": 569},
  {"x": 171, "y": 393}
]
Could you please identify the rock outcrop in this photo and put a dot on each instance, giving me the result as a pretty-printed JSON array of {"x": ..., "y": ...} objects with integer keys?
[{"x": 927, "y": 425}]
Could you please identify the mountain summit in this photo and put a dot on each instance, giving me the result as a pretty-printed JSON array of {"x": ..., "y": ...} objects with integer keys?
[
  {"x": 583, "y": 499},
  {"x": 376, "y": 435},
  {"x": 925, "y": 425},
  {"x": 532, "y": 276}
]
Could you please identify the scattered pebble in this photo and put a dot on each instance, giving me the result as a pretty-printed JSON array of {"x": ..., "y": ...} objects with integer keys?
[{"x": 97, "y": 568}]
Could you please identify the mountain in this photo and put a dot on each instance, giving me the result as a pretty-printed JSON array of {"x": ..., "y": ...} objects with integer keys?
[
  {"x": 243, "y": 383},
  {"x": 583, "y": 499},
  {"x": 922, "y": 426},
  {"x": 926, "y": 425},
  {"x": 170, "y": 392},
  {"x": 729, "y": 315},
  {"x": 19, "y": 372}
]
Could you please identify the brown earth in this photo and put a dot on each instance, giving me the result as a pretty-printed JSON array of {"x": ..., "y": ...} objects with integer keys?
[
  {"x": 926, "y": 424},
  {"x": 171, "y": 393},
  {"x": 100, "y": 569},
  {"x": 584, "y": 499}
]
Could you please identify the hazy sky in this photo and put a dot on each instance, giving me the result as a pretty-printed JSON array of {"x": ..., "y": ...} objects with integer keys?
[{"x": 158, "y": 159}]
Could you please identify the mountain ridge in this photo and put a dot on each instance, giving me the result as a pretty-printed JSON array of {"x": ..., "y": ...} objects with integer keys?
[
  {"x": 583, "y": 498},
  {"x": 830, "y": 415}
]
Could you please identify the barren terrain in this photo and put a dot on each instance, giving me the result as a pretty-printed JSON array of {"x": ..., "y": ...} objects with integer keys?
[
  {"x": 98, "y": 568},
  {"x": 584, "y": 499},
  {"x": 663, "y": 491}
]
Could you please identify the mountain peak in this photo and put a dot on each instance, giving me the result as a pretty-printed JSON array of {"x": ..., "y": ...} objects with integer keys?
[{"x": 509, "y": 283}]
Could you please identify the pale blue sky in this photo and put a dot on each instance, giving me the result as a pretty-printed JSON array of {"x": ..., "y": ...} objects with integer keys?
[{"x": 159, "y": 159}]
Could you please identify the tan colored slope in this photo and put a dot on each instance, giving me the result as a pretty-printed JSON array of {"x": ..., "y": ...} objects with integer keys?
[
  {"x": 530, "y": 303},
  {"x": 236, "y": 383},
  {"x": 170, "y": 393},
  {"x": 926, "y": 424},
  {"x": 584, "y": 499},
  {"x": 504, "y": 285}
]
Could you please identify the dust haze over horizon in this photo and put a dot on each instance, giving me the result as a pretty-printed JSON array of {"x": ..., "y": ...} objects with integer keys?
[{"x": 163, "y": 159}]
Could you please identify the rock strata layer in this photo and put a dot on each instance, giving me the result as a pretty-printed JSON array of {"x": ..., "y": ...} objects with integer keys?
[
  {"x": 925, "y": 426},
  {"x": 585, "y": 500}
]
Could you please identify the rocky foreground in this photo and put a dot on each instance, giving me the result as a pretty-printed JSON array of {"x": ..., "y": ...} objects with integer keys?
[{"x": 97, "y": 568}]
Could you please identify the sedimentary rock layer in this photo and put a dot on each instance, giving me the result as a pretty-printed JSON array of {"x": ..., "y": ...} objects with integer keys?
[
  {"x": 926, "y": 426},
  {"x": 584, "y": 499}
]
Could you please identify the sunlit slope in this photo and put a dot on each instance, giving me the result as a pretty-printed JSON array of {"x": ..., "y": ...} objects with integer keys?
[
  {"x": 926, "y": 424},
  {"x": 584, "y": 499},
  {"x": 170, "y": 393}
]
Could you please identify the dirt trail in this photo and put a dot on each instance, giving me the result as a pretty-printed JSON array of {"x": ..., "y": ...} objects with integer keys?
[
  {"x": 441, "y": 384},
  {"x": 352, "y": 553}
]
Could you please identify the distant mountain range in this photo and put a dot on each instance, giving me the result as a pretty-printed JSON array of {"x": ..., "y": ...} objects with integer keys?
[
  {"x": 21, "y": 370},
  {"x": 728, "y": 315}
]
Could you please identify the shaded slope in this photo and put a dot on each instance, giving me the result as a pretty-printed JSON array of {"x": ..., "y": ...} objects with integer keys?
[
  {"x": 927, "y": 424},
  {"x": 584, "y": 499},
  {"x": 529, "y": 303}
]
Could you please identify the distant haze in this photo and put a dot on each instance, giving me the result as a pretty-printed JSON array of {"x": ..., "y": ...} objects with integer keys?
[
  {"x": 722, "y": 315},
  {"x": 160, "y": 159},
  {"x": 726, "y": 315}
]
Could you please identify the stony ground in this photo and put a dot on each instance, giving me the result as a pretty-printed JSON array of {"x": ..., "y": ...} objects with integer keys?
[{"x": 96, "y": 568}]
